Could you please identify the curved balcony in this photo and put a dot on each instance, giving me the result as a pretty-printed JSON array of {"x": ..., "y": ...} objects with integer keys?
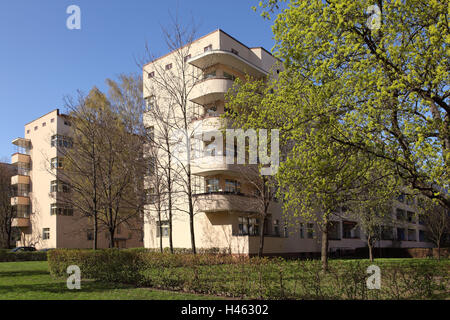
[
  {"x": 20, "y": 158},
  {"x": 227, "y": 58},
  {"x": 20, "y": 222},
  {"x": 19, "y": 179},
  {"x": 209, "y": 123},
  {"x": 210, "y": 90},
  {"x": 211, "y": 165},
  {"x": 20, "y": 201},
  {"x": 225, "y": 202}
]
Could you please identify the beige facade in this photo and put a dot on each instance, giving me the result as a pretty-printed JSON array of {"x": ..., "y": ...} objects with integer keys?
[
  {"x": 38, "y": 160},
  {"x": 225, "y": 215}
]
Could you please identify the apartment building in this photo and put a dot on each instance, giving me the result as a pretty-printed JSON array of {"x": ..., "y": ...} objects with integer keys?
[
  {"x": 225, "y": 214},
  {"x": 43, "y": 222}
]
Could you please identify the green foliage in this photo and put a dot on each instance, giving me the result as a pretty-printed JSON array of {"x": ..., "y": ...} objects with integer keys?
[
  {"x": 258, "y": 278},
  {"x": 7, "y": 256},
  {"x": 384, "y": 91}
]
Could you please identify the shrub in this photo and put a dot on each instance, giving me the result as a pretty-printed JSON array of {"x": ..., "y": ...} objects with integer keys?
[
  {"x": 8, "y": 256},
  {"x": 255, "y": 278}
]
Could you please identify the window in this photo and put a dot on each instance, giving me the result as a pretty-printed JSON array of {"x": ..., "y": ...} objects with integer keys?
[
  {"x": 168, "y": 66},
  {"x": 46, "y": 233},
  {"x": 285, "y": 230},
  {"x": 21, "y": 190},
  {"x": 151, "y": 166},
  {"x": 422, "y": 237},
  {"x": 400, "y": 214},
  {"x": 52, "y": 120},
  {"x": 187, "y": 58},
  {"x": 56, "y": 163},
  {"x": 212, "y": 185},
  {"x": 209, "y": 75},
  {"x": 22, "y": 211},
  {"x": 59, "y": 186},
  {"x": 151, "y": 74},
  {"x": 90, "y": 235},
  {"x": 61, "y": 141},
  {"x": 44, "y": 124},
  {"x": 243, "y": 226},
  {"x": 310, "y": 231},
  {"x": 35, "y": 128},
  {"x": 276, "y": 228},
  {"x": 410, "y": 217},
  {"x": 162, "y": 229},
  {"x": 28, "y": 131},
  {"x": 208, "y": 48},
  {"x": 150, "y": 195},
  {"x": 411, "y": 235},
  {"x": 235, "y": 51},
  {"x": 400, "y": 234},
  {"x": 334, "y": 231},
  {"x": 60, "y": 210},
  {"x": 150, "y": 103},
  {"x": 212, "y": 111},
  {"x": 228, "y": 76},
  {"x": 401, "y": 198},
  {"x": 302, "y": 231},
  {"x": 421, "y": 220},
  {"x": 248, "y": 226},
  {"x": 232, "y": 186},
  {"x": 67, "y": 123},
  {"x": 350, "y": 230},
  {"x": 386, "y": 233},
  {"x": 253, "y": 226}
]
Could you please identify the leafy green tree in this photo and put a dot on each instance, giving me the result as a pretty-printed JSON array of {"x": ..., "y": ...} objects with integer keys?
[{"x": 385, "y": 69}]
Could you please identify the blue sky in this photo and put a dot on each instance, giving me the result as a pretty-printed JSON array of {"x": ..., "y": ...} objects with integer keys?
[{"x": 41, "y": 61}]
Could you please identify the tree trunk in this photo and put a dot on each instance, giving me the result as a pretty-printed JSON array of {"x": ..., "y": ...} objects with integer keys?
[
  {"x": 95, "y": 231},
  {"x": 160, "y": 231},
  {"x": 191, "y": 207},
  {"x": 439, "y": 251},
  {"x": 111, "y": 237},
  {"x": 369, "y": 244},
  {"x": 262, "y": 223},
  {"x": 324, "y": 250},
  {"x": 169, "y": 191}
]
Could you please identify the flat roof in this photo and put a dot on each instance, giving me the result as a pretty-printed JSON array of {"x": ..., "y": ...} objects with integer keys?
[
  {"x": 57, "y": 113},
  {"x": 217, "y": 30}
]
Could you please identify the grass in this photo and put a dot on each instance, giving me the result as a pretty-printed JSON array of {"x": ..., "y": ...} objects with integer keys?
[{"x": 32, "y": 281}]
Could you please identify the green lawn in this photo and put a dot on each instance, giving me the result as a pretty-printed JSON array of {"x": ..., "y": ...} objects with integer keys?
[{"x": 32, "y": 281}]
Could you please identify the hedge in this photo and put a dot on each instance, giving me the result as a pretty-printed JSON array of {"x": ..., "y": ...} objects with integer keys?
[
  {"x": 257, "y": 278},
  {"x": 7, "y": 256}
]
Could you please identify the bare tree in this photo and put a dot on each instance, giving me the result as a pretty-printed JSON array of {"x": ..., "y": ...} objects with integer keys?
[
  {"x": 168, "y": 93},
  {"x": 6, "y": 210},
  {"x": 437, "y": 220},
  {"x": 81, "y": 163}
]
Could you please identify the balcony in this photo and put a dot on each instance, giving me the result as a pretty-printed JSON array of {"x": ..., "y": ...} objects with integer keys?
[
  {"x": 210, "y": 90},
  {"x": 19, "y": 179},
  {"x": 20, "y": 201},
  {"x": 21, "y": 222},
  {"x": 225, "y": 202},
  {"x": 22, "y": 143},
  {"x": 227, "y": 58},
  {"x": 20, "y": 158},
  {"x": 210, "y": 165}
]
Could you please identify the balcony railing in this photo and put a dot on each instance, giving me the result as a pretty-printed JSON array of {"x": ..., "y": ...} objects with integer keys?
[
  {"x": 221, "y": 201},
  {"x": 210, "y": 90},
  {"x": 231, "y": 59}
]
